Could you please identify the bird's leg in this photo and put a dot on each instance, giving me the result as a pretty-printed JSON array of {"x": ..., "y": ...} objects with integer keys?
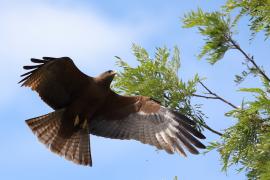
[
  {"x": 82, "y": 124},
  {"x": 85, "y": 123},
  {"x": 77, "y": 120}
]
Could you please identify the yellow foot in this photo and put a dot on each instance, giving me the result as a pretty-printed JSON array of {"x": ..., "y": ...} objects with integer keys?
[
  {"x": 77, "y": 121},
  {"x": 84, "y": 126}
]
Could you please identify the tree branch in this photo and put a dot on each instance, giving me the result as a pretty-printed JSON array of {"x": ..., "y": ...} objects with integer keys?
[
  {"x": 209, "y": 128},
  {"x": 214, "y": 96},
  {"x": 206, "y": 97},
  {"x": 202, "y": 124},
  {"x": 250, "y": 59}
]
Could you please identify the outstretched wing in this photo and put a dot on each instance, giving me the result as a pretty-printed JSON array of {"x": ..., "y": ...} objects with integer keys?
[
  {"x": 145, "y": 120},
  {"x": 57, "y": 80}
]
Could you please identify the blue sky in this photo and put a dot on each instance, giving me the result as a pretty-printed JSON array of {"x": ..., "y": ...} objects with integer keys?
[{"x": 92, "y": 33}]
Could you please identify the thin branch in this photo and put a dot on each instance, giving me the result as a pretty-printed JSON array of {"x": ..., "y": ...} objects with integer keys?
[
  {"x": 206, "y": 97},
  {"x": 202, "y": 124},
  {"x": 250, "y": 59},
  {"x": 209, "y": 128},
  {"x": 216, "y": 96}
]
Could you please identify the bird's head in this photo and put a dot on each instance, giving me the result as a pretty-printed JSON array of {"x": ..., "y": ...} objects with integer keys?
[{"x": 107, "y": 77}]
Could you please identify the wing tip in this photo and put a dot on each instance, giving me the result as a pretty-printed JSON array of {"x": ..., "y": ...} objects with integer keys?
[
  {"x": 201, "y": 146},
  {"x": 32, "y": 68},
  {"x": 46, "y": 58},
  {"x": 40, "y": 61},
  {"x": 181, "y": 117},
  {"x": 202, "y": 136},
  {"x": 198, "y": 134}
]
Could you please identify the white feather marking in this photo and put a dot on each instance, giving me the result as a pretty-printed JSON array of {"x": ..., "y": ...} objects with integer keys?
[
  {"x": 168, "y": 115},
  {"x": 172, "y": 128},
  {"x": 141, "y": 113},
  {"x": 166, "y": 142},
  {"x": 170, "y": 133},
  {"x": 164, "y": 136}
]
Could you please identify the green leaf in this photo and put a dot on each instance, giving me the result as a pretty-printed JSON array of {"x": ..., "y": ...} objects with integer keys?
[
  {"x": 216, "y": 28},
  {"x": 253, "y": 90},
  {"x": 157, "y": 77},
  {"x": 257, "y": 10}
]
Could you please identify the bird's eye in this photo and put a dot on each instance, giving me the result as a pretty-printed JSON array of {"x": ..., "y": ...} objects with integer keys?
[{"x": 110, "y": 71}]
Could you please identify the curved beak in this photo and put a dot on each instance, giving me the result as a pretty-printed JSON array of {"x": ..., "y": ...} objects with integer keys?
[{"x": 114, "y": 73}]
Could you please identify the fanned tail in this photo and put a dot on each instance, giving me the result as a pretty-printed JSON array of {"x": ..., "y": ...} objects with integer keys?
[{"x": 75, "y": 148}]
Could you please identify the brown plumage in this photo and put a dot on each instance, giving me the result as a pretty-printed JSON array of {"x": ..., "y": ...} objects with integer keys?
[{"x": 86, "y": 105}]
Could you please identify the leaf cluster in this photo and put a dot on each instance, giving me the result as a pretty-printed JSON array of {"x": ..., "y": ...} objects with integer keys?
[
  {"x": 216, "y": 28},
  {"x": 247, "y": 142},
  {"x": 257, "y": 10},
  {"x": 157, "y": 78}
]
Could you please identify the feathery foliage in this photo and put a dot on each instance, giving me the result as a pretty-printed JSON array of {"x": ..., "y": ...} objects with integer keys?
[
  {"x": 257, "y": 10},
  {"x": 247, "y": 142},
  {"x": 157, "y": 78},
  {"x": 216, "y": 28}
]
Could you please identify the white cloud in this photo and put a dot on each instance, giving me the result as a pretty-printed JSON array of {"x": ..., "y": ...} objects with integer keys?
[
  {"x": 38, "y": 28},
  {"x": 43, "y": 29}
]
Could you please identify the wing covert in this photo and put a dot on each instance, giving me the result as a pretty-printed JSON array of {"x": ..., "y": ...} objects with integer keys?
[
  {"x": 143, "y": 119},
  {"x": 57, "y": 80}
]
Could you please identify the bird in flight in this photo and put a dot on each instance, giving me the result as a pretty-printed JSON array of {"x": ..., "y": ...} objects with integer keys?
[{"x": 85, "y": 105}]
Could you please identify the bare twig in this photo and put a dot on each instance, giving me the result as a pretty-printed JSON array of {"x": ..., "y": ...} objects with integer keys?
[
  {"x": 202, "y": 124},
  {"x": 206, "y": 97},
  {"x": 214, "y": 96},
  {"x": 209, "y": 128},
  {"x": 249, "y": 58}
]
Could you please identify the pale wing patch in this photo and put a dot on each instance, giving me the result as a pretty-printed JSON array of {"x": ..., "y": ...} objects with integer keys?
[{"x": 163, "y": 129}]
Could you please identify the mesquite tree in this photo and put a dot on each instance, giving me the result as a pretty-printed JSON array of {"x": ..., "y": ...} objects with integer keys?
[{"x": 248, "y": 141}]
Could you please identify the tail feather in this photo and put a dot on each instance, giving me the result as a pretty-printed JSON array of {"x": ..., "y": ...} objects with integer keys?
[
  {"x": 84, "y": 147},
  {"x": 75, "y": 148},
  {"x": 70, "y": 147}
]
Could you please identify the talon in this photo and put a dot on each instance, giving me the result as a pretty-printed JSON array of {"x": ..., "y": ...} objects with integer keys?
[
  {"x": 77, "y": 121},
  {"x": 84, "y": 126}
]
